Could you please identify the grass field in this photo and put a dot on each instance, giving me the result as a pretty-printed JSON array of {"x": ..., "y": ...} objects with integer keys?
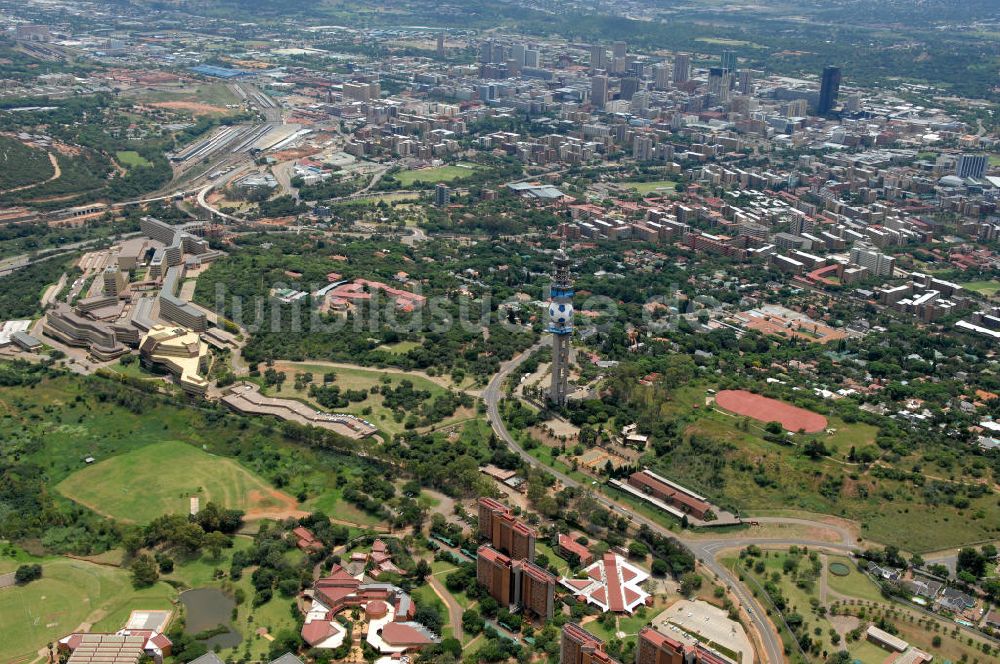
[
  {"x": 728, "y": 42},
  {"x": 855, "y": 584},
  {"x": 867, "y": 652},
  {"x": 988, "y": 288},
  {"x": 131, "y": 159},
  {"x": 217, "y": 95},
  {"x": 158, "y": 479},
  {"x": 400, "y": 347},
  {"x": 69, "y": 593},
  {"x": 664, "y": 186},
  {"x": 432, "y": 175}
]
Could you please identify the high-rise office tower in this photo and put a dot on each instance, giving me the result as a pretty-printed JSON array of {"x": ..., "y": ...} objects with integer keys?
[
  {"x": 561, "y": 327},
  {"x": 715, "y": 80},
  {"x": 971, "y": 165},
  {"x": 629, "y": 87},
  {"x": 619, "y": 49},
  {"x": 578, "y": 646},
  {"x": 440, "y": 45},
  {"x": 661, "y": 76},
  {"x": 599, "y": 91},
  {"x": 517, "y": 54},
  {"x": 728, "y": 60},
  {"x": 682, "y": 68},
  {"x": 485, "y": 52},
  {"x": 598, "y": 57},
  {"x": 828, "y": 90},
  {"x": 532, "y": 58},
  {"x": 746, "y": 81}
]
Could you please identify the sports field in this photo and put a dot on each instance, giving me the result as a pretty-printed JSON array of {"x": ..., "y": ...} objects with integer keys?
[
  {"x": 131, "y": 158},
  {"x": 143, "y": 484},
  {"x": 69, "y": 593},
  {"x": 989, "y": 287},
  {"x": 765, "y": 409},
  {"x": 438, "y": 174},
  {"x": 657, "y": 186}
]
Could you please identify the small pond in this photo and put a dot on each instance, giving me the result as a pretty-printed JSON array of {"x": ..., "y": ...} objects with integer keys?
[{"x": 208, "y": 610}]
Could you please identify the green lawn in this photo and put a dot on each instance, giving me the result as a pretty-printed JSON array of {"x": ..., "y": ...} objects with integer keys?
[
  {"x": 728, "y": 42},
  {"x": 854, "y": 584},
  {"x": 867, "y": 652},
  {"x": 433, "y": 175},
  {"x": 131, "y": 159},
  {"x": 143, "y": 484},
  {"x": 989, "y": 288},
  {"x": 69, "y": 593},
  {"x": 331, "y": 503},
  {"x": 666, "y": 186},
  {"x": 400, "y": 347}
]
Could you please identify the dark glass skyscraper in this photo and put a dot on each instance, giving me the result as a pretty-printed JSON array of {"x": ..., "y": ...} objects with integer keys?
[{"x": 828, "y": 90}]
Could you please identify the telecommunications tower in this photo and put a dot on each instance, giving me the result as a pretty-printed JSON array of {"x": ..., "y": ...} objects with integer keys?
[{"x": 561, "y": 327}]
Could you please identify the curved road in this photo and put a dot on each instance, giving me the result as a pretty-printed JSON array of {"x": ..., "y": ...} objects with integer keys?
[{"x": 704, "y": 550}]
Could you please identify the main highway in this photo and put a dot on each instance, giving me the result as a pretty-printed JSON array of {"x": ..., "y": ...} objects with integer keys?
[{"x": 705, "y": 550}]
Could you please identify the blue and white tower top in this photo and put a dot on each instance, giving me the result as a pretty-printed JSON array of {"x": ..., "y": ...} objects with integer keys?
[{"x": 561, "y": 297}]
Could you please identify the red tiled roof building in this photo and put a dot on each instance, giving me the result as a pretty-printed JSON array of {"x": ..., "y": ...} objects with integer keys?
[
  {"x": 671, "y": 495},
  {"x": 568, "y": 545}
]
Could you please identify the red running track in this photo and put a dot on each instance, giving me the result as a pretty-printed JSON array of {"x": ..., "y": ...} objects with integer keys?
[{"x": 766, "y": 409}]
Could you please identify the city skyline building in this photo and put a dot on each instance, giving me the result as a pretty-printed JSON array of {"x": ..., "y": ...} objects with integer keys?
[
  {"x": 971, "y": 166},
  {"x": 599, "y": 91},
  {"x": 829, "y": 90},
  {"x": 728, "y": 60},
  {"x": 682, "y": 68}
]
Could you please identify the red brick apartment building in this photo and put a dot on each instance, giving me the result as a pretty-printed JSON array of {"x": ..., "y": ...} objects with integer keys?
[
  {"x": 656, "y": 648},
  {"x": 505, "y": 532},
  {"x": 537, "y": 589},
  {"x": 578, "y": 646},
  {"x": 516, "y": 583},
  {"x": 493, "y": 572}
]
